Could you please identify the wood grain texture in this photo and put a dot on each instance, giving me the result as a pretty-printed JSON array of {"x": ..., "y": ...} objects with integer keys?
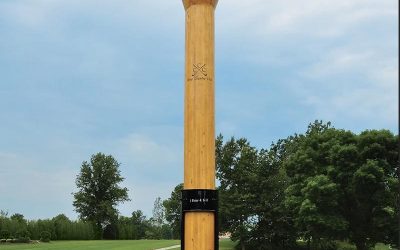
[
  {"x": 199, "y": 152},
  {"x": 188, "y": 3}
]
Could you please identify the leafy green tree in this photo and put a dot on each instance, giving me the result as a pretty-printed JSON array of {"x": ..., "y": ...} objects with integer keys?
[
  {"x": 172, "y": 207},
  {"x": 111, "y": 231},
  {"x": 166, "y": 232},
  {"x": 155, "y": 229},
  {"x": 60, "y": 222},
  {"x": 18, "y": 225},
  {"x": 125, "y": 227},
  {"x": 236, "y": 161},
  {"x": 18, "y": 218},
  {"x": 99, "y": 191},
  {"x": 3, "y": 213},
  {"x": 45, "y": 236},
  {"x": 158, "y": 212},
  {"x": 342, "y": 184},
  {"x": 140, "y": 225},
  {"x": 4, "y": 234},
  {"x": 251, "y": 189}
]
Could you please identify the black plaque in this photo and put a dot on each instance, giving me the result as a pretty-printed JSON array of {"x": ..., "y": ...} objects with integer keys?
[{"x": 199, "y": 200}]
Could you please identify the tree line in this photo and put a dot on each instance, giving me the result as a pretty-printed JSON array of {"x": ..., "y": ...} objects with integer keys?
[
  {"x": 307, "y": 191},
  {"x": 18, "y": 228},
  {"x": 134, "y": 227}
]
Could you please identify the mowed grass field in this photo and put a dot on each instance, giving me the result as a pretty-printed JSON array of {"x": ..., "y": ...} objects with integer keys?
[
  {"x": 128, "y": 245},
  {"x": 94, "y": 244},
  {"x": 343, "y": 245},
  {"x": 105, "y": 245}
]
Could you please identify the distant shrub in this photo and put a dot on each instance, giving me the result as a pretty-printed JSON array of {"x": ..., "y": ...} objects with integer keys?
[
  {"x": 45, "y": 236},
  {"x": 4, "y": 234},
  {"x": 345, "y": 246},
  {"x": 149, "y": 235},
  {"x": 22, "y": 234},
  {"x": 325, "y": 245},
  {"x": 22, "y": 240}
]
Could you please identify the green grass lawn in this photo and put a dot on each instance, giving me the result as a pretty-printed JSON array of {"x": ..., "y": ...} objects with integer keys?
[
  {"x": 348, "y": 246},
  {"x": 226, "y": 244},
  {"x": 95, "y": 245},
  {"x": 105, "y": 245},
  {"x": 127, "y": 245},
  {"x": 381, "y": 247}
]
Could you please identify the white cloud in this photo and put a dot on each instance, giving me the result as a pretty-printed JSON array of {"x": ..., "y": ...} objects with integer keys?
[
  {"x": 262, "y": 18},
  {"x": 339, "y": 61},
  {"x": 152, "y": 161},
  {"x": 146, "y": 151},
  {"x": 227, "y": 127},
  {"x": 311, "y": 17},
  {"x": 353, "y": 83},
  {"x": 371, "y": 100},
  {"x": 27, "y": 189},
  {"x": 43, "y": 13},
  {"x": 143, "y": 196},
  {"x": 27, "y": 13}
]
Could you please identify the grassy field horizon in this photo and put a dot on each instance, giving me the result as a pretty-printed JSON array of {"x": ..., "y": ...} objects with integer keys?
[
  {"x": 104, "y": 245},
  {"x": 224, "y": 244},
  {"x": 94, "y": 244}
]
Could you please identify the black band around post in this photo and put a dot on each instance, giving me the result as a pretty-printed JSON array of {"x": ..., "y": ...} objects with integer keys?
[{"x": 199, "y": 200}]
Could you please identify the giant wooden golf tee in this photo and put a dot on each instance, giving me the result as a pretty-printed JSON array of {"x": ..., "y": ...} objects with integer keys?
[{"x": 198, "y": 229}]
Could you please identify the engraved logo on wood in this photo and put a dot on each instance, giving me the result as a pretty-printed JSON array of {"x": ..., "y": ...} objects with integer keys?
[
  {"x": 199, "y": 69},
  {"x": 199, "y": 73}
]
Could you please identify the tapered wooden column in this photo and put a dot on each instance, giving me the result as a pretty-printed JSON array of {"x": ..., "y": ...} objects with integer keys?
[{"x": 199, "y": 126}]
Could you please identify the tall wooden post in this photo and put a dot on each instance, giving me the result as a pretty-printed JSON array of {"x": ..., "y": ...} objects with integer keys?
[{"x": 199, "y": 126}]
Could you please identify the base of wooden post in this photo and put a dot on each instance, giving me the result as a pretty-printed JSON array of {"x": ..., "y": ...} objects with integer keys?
[{"x": 199, "y": 201}]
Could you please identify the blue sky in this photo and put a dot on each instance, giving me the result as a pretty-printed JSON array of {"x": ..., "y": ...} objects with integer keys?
[{"x": 80, "y": 77}]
